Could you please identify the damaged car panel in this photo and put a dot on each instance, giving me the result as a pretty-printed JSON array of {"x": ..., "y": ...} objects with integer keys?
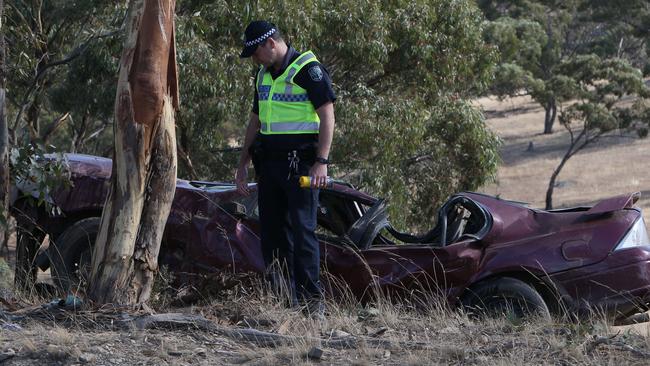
[{"x": 482, "y": 252}]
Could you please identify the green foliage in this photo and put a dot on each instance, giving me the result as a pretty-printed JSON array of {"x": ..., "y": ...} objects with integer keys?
[
  {"x": 633, "y": 16},
  {"x": 42, "y": 38},
  {"x": 90, "y": 81},
  {"x": 537, "y": 39},
  {"x": 509, "y": 77},
  {"x": 87, "y": 91},
  {"x": 404, "y": 72},
  {"x": 39, "y": 171},
  {"x": 601, "y": 85},
  {"x": 520, "y": 41}
]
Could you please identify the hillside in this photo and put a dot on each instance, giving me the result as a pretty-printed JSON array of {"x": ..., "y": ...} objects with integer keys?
[{"x": 613, "y": 166}]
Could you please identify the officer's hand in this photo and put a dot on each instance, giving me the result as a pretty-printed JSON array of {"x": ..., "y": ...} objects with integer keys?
[
  {"x": 241, "y": 180},
  {"x": 318, "y": 174}
]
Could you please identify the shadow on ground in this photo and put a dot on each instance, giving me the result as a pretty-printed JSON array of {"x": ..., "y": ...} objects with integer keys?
[{"x": 518, "y": 151}]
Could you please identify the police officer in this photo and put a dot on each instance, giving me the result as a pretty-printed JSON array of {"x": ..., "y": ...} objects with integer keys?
[{"x": 289, "y": 133}]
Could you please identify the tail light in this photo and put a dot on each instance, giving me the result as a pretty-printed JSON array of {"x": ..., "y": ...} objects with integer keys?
[{"x": 636, "y": 237}]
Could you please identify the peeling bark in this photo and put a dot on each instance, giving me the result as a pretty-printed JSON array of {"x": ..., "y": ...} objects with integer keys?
[
  {"x": 125, "y": 258},
  {"x": 4, "y": 142}
]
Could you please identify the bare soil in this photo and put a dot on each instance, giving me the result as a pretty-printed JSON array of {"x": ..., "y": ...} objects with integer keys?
[
  {"x": 387, "y": 335},
  {"x": 615, "y": 165}
]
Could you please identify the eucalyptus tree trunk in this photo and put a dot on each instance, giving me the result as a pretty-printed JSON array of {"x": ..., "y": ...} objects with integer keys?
[
  {"x": 550, "y": 113},
  {"x": 4, "y": 139},
  {"x": 125, "y": 257}
]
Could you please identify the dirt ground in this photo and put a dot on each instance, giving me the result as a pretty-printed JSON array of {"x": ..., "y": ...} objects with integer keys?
[
  {"x": 385, "y": 335},
  {"x": 613, "y": 166}
]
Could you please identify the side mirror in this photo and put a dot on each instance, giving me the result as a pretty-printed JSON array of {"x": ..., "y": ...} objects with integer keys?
[{"x": 236, "y": 209}]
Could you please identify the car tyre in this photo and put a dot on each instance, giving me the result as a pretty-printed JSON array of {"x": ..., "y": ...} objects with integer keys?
[
  {"x": 505, "y": 296},
  {"x": 71, "y": 255}
]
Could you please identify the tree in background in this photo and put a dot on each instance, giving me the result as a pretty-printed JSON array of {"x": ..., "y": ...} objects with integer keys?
[
  {"x": 125, "y": 256},
  {"x": 628, "y": 29},
  {"x": 90, "y": 111},
  {"x": 610, "y": 95},
  {"x": 536, "y": 37},
  {"x": 44, "y": 37},
  {"x": 583, "y": 54}
]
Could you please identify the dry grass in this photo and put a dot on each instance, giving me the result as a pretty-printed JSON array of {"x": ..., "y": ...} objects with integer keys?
[
  {"x": 434, "y": 334},
  {"x": 431, "y": 334},
  {"x": 426, "y": 334},
  {"x": 614, "y": 166},
  {"x": 6, "y": 274}
]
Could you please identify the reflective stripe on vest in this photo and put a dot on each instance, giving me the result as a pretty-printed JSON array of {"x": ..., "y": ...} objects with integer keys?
[
  {"x": 284, "y": 107},
  {"x": 283, "y": 127}
]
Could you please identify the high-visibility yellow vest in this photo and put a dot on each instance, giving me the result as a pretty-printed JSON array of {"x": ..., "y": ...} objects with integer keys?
[{"x": 284, "y": 107}]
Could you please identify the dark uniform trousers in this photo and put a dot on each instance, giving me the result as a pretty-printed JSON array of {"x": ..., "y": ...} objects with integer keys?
[{"x": 288, "y": 220}]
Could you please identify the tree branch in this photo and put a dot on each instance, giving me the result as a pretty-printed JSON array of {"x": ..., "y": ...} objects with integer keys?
[
  {"x": 416, "y": 159},
  {"x": 54, "y": 126},
  {"x": 78, "y": 51},
  {"x": 185, "y": 158}
]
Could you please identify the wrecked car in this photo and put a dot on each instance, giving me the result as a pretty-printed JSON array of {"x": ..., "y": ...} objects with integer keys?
[{"x": 482, "y": 253}]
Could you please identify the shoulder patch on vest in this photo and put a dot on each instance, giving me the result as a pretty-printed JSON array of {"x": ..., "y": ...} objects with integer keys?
[{"x": 315, "y": 73}]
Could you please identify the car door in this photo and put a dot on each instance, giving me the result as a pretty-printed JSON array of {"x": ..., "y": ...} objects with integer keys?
[
  {"x": 411, "y": 268},
  {"x": 367, "y": 262},
  {"x": 402, "y": 270},
  {"x": 217, "y": 238}
]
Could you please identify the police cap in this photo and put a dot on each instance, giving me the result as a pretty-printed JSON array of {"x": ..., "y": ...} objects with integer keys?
[{"x": 255, "y": 34}]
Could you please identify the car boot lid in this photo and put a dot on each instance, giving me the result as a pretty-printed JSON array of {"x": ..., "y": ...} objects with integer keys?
[{"x": 614, "y": 204}]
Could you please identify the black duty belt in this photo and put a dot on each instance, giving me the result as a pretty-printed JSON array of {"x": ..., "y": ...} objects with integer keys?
[{"x": 284, "y": 155}]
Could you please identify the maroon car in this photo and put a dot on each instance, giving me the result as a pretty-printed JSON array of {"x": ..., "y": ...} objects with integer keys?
[{"x": 483, "y": 252}]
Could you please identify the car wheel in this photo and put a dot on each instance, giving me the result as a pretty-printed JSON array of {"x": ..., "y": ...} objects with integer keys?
[
  {"x": 71, "y": 255},
  {"x": 507, "y": 297}
]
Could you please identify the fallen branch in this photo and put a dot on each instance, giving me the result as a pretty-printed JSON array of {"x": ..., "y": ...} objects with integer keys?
[
  {"x": 121, "y": 318},
  {"x": 503, "y": 347},
  {"x": 610, "y": 341},
  {"x": 260, "y": 338}
]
